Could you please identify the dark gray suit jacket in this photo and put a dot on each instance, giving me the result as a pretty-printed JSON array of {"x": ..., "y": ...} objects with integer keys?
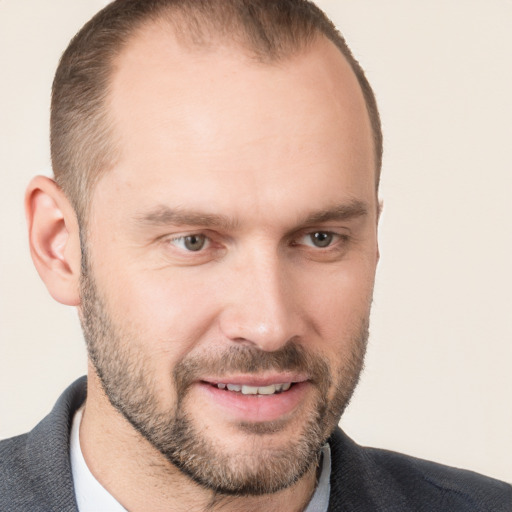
[{"x": 35, "y": 474}]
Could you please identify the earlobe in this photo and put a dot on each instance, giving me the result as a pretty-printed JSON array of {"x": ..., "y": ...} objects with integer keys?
[{"x": 54, "y": 239}]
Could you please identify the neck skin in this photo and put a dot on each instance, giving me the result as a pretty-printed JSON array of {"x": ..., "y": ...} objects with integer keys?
[{"x": 141, "y": 479}]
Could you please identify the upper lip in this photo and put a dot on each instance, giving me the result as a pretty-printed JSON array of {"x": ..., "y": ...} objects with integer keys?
[{"x": 256, "y": 380}]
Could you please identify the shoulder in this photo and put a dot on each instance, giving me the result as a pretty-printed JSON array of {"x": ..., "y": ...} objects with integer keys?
[
  {"x": 12, "y": 460},
  {"x": 442, "y": 483},
  {"x": 14, "y": 470},
  {"x": 35, "y": 472},
  {"x": 393, "y": 481}
]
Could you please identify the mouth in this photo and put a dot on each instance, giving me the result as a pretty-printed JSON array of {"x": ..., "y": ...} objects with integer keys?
[
  {"x": 244, "y": 389},
  {"x": 255, "y": 399}
]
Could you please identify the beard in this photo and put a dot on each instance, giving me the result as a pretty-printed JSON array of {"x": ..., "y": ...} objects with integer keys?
[{"x": 124, "y": 371}]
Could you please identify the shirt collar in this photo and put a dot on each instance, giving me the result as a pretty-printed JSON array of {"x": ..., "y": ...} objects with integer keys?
[{"x": 91, "y": 496}]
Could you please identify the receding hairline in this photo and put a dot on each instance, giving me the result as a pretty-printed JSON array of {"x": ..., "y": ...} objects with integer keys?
[
  {"x": 257, "y": 29},
  {"x": 217, "y": 44}
]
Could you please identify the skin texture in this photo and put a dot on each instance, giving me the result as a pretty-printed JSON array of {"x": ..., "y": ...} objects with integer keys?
[{"x": 253, "y": 159}]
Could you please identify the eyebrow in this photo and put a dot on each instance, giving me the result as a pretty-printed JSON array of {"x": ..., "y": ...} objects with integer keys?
[
  {"x": 165, "y": 216},
  {"x": 341, "y": 212}
]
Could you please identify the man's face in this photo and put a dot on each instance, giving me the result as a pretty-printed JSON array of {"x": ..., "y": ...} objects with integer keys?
[{"x": 231, "y": 256}]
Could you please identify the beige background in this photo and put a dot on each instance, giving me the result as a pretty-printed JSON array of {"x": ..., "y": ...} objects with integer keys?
[{"x": 438, "y": 382}]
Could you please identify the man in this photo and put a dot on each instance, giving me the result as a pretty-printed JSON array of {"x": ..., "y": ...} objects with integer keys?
[{"x": 214, "y": 220}]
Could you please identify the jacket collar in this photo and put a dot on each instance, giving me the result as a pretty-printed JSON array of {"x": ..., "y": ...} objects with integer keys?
[{"x": 47, "y": 451}]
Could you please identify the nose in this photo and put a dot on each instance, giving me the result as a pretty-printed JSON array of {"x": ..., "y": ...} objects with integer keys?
[{"x": 260, "y": 306}]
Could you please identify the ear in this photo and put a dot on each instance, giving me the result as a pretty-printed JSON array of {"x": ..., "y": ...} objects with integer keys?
[
  {"x": 379, "y": 213},
  {"x": 380, "y": 208},
  {"x": 54, "y": 239}
]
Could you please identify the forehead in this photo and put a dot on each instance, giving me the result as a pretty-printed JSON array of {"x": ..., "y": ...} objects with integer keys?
[{"x": 219, "y": 119}]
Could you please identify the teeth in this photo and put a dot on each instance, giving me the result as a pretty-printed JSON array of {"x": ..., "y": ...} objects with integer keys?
[
  {"x": 266, "y": 390},
  {"x": 256, "y": 390},
  {"x": 249, "y": 390}
]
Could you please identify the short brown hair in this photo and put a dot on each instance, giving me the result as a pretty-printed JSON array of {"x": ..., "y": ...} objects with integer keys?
[{"x": 82, "y": 142}]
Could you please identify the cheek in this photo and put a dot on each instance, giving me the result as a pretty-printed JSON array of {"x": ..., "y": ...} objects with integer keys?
[
  {"x": 339, "y": 300},
  {"x": 165, "y": 313}
]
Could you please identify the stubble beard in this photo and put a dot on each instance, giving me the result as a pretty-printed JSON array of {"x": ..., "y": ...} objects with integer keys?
[{"x": 126, "y": 378}]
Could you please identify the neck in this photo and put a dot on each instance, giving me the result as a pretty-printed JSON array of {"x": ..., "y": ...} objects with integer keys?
[{"x": 141, "y": 478}]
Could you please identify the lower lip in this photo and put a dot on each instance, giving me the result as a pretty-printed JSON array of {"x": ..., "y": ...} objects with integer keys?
[{"x": 256, "y": 408}]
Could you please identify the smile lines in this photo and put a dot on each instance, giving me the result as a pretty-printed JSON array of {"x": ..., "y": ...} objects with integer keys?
[{"x": 271, "y": 389}]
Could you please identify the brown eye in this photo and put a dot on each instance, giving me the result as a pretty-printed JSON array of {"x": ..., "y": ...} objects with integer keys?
[
  {"x": 321, "y": 238},
  {"x": 194, "y": 242}
]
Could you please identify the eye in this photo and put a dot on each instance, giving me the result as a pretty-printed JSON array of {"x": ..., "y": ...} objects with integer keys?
[
  {"x": 191, "y": 243},
  {"x": 323, "y": 246},
  {"x": 321, "y": 238}
]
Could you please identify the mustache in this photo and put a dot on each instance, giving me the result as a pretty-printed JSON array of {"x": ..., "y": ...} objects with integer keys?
[{"x": 251, "y": 360}]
